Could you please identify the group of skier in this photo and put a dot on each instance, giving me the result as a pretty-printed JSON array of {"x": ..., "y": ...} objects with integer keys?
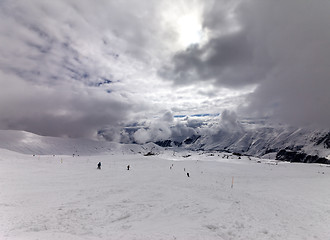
[
  {"x": 128, "y": 167},
  {"x": 99, "y": 166}
]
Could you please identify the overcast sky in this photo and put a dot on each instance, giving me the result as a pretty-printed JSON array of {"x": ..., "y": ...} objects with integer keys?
[{"x": 74, "y": 67}]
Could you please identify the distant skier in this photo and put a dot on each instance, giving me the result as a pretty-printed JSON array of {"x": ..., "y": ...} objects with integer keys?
[
  {"x": 127, "y": 167},
  {"x": 188, "y": 174},
  {"x": 99, "y": 165}
]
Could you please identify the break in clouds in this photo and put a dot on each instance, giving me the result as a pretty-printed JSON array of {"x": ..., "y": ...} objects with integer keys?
[{"x": 78, "y": 68}]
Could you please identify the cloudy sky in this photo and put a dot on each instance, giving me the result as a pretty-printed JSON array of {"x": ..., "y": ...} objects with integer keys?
[{"x": 75, "y": 67}]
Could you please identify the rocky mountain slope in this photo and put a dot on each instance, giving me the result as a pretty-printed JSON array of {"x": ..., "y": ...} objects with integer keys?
[{"x": 251, "y": 137}]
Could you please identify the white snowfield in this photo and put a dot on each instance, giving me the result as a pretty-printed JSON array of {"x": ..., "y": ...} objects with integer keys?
[{"x": 65, "y": 197}]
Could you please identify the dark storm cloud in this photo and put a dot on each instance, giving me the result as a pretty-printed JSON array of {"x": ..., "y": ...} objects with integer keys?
[
  {"x": 279, "y": 46},
  {"x": 230, "y": 57},
  {"x": 297, "y": 34},
  {"x": 228, "y": 61}
]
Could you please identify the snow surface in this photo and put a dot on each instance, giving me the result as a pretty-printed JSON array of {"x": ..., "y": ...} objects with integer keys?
[{"x": 65, "y": 197}]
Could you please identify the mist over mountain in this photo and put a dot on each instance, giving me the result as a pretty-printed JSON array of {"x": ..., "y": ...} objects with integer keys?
[{"x": 227, "y": 132}]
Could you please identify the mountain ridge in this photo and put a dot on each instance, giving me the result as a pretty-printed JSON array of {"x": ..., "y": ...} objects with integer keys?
[{"x": 247, "y": 137}]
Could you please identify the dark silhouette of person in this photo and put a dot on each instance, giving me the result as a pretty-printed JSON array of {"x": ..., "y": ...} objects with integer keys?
[
  {"x": 188, "y": 174},
  {"x": 127, "y": 167},
  {"x": 99, "y": 165}
]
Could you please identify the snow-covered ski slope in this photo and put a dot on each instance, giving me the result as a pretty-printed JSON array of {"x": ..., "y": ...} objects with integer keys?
[{"x": 65, "y": 197}]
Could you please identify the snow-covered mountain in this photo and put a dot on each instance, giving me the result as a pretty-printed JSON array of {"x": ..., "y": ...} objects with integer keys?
[
  {"x": 247, "y": 136},
  {"x": 257, "y": 138},
  {"x": 229, "y": 132},
  {"x": 254, "y": 138}
]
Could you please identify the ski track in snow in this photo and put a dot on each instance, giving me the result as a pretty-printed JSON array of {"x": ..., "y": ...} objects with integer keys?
[{"x": 65, "y": 197}]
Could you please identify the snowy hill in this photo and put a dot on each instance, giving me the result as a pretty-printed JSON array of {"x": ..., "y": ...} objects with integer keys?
[{"x": 29, "y": 143}]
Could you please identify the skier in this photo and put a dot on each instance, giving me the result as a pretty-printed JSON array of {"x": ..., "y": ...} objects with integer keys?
[
  {"x": 99, "y": 165},
  {"x": 127, "y": 167},
  {"x": 188, "y": 174}
]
